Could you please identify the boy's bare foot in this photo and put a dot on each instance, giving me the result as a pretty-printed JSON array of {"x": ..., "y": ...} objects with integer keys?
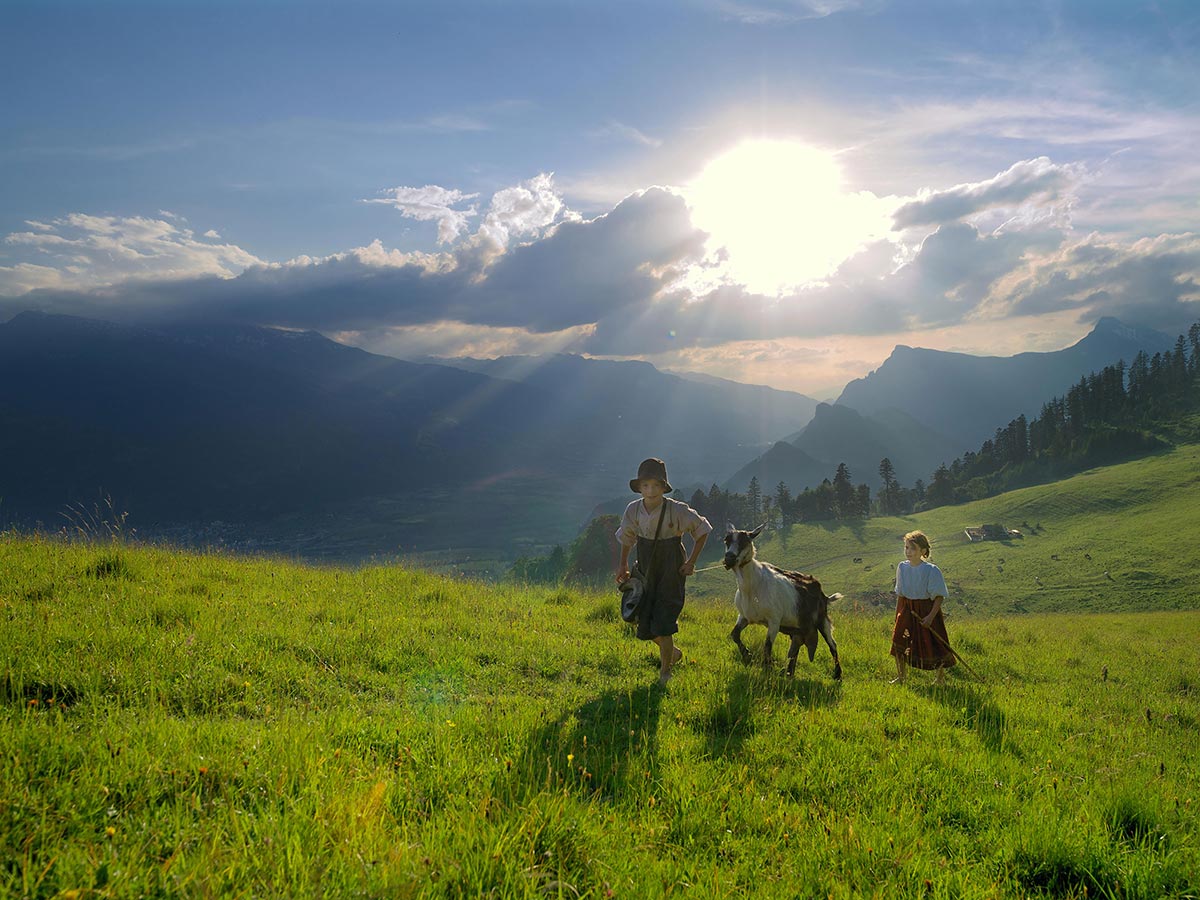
[{"x": 899, "y": 679}]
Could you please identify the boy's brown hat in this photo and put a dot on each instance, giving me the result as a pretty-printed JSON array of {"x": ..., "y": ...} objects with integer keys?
[{"x": 651, "y": 468}]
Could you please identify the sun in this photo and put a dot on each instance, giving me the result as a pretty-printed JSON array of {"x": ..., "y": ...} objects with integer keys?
[{"x": 780, "y": 213}]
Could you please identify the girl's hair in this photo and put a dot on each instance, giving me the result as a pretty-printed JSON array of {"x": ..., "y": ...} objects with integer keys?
[{"x": 918, "y": 538}]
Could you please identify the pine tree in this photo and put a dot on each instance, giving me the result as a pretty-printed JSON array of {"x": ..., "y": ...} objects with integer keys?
[
  {"x": 843, "y": 492},
  {"x": 783, "y": 502},
  {"x": 754, "y": 499},
  {"x": 862, "y": 501},
  {"x": 718, "y": 507},
  {"x": 941, "y": 489},
  {"x": 889, "y": 491}
]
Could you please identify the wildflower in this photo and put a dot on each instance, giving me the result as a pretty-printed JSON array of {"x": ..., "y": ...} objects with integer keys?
[
  {"x": 570, "y": 758},
  {"x": 110, "y": 831},
  {"x": 33, "y": 702}
]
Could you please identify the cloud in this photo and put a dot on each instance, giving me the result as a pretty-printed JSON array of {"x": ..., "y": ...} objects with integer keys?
[
  {"x": 614, "y": 129},
  {"x": 432, "y": 203},
  {"x": 782, "y": 12},
  {"x": 521, "y": 211},
  {"x": 450, "y": 339},
  {"x": 80, "y": 252},
  {"x": 1153, "y": 281},
  {"x": 1033, "y": 179},
  {"x": 577, "y": 273},
  {"x": 536, "y": 277},
  {"x": 585, "y": 271}
]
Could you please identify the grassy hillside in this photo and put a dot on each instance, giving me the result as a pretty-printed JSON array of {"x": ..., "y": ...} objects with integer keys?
[
  {"x": 1119, "y": 538},
  {"x": 195, "y": 725}
]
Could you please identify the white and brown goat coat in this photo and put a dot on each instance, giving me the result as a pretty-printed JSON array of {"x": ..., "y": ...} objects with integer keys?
[{"x": 791, "y": 602}]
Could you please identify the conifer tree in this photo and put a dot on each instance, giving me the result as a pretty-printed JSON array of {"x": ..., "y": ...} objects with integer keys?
[{"x": 843, "y": 492}]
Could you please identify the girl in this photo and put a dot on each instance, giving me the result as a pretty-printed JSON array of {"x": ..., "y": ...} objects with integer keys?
[
  {"x": 919, "y": 638},
  {"x": 661, "y": 561}
]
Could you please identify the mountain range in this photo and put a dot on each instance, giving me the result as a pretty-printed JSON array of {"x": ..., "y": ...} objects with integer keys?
[
  {"x": 333, "y": 451},
  {"x": 839, "y": 434},
  {"x": 922, "y": 408},
  {"x": 191, "y": 423},
  {"x": 966, "y": 398}
]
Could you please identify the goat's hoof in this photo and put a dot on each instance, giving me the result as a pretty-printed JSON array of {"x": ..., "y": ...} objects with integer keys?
[{"x": 837, "y": 672}]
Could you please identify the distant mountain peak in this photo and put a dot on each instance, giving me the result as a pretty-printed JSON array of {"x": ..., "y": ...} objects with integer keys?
[
  {"x": 1110, "y": 325},
  {"x": 967, "y": 397}
]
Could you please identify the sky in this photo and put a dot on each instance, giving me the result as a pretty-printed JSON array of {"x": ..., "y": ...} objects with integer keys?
[{"x": 771, "y": 191}]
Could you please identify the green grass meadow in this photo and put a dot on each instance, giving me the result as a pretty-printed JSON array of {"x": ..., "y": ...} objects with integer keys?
[{"x": 199, "y": 725}]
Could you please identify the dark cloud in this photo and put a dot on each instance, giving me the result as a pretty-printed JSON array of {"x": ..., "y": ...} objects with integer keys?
[
  {"x": 612, "y": 284},
  {"x": 580, "y": 273},
  {"x": 1155, "y": 282},
  {"x": 587, "y": 271},
  {"x": 951, "y": 275},
  {"x": 1032, "y": 178}
]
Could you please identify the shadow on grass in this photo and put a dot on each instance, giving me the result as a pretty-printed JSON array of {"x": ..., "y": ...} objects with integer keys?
[
  {"x": 43, "y": 694},
  {"x": 598, "y": 750},
  {"x": 975, "y": 712},
  {"x": 730, "y": 722}
]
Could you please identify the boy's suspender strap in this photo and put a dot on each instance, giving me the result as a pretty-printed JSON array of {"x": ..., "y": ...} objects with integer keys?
[{"x": 657, "y": 531}]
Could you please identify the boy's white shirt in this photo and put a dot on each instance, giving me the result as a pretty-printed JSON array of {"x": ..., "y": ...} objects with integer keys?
[{"x": 678, "y": 519}]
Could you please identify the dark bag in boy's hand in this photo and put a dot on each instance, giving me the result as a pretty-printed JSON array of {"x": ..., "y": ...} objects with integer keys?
[{"x": 632, "y": 590}]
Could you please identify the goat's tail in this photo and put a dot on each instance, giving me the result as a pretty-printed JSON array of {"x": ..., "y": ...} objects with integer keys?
[{"x": 833, "y": 597}]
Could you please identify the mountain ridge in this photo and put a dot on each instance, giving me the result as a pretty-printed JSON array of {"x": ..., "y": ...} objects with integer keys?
[{"x": 968, "y": 397}]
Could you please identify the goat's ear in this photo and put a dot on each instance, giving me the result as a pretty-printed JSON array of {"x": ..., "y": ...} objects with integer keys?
[
  {"x": 757, "y": 531},
  {"x": 729, "y": 529}
]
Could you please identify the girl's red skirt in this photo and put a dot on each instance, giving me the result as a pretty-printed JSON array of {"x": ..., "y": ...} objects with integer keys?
[{"x": 920, "y": 647}]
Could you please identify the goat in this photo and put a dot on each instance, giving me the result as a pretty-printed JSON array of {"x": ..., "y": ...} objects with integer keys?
[{"x": 790, "y": 602}]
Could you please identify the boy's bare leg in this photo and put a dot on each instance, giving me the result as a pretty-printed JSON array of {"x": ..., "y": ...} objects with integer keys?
[
  {"x": 941, "y": 676},
  {"x": 668, "y": 655},
  {"x": 900, "y": 670}
]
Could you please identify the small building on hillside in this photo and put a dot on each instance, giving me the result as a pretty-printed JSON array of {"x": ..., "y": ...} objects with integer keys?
[{"x": 991, "y": 533}]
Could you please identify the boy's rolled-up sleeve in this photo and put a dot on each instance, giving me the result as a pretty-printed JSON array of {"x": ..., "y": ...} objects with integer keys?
[
  {"x": 627, "y": 533},
  {"x": 694, "y": 523}
]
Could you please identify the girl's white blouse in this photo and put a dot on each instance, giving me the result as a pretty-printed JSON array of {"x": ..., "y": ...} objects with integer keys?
[{"x": 924, "y": 581}]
